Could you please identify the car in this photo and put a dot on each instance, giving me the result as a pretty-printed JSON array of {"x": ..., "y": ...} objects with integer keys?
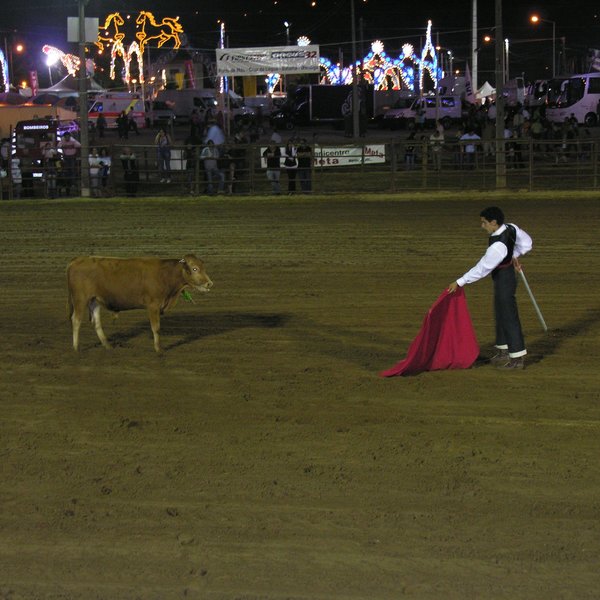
[{"x": 159, "y": 113}]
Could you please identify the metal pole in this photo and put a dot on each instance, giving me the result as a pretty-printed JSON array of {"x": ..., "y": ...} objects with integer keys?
[
  {"x": 553, "y": 49},
  {"x": 474, "y": 45},
  {"x": 83, "y": 106},
  {"x": 499, "y": 58},
  {"x": 355, "y": 107}
]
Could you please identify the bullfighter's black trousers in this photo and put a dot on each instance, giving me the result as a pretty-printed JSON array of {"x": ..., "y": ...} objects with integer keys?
[{"x": 508, "y": 325}]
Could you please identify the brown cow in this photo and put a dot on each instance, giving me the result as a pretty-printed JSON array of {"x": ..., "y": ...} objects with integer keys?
[{"x": 127, "y": 283}]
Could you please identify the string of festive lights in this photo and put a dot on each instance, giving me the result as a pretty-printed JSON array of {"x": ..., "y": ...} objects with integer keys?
[
  {"x": 5, "y": 74},
  {"x": 378, "y": 68}
]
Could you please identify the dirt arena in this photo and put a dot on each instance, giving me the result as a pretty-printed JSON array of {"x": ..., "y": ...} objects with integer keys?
[{"x": 261, "y": 457}]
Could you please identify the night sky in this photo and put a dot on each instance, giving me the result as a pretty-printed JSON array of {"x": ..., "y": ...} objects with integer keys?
[{"x": 260, "y": 22}]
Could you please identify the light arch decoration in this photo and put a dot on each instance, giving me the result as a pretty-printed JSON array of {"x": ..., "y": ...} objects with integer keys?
[{"x": 5, "y": 74}]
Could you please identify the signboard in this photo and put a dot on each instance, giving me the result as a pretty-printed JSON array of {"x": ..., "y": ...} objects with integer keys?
[
  {"x": 91, "y": 29},
  {"x": 341, "y": 156},
  {"x": 261, "y": 61}
]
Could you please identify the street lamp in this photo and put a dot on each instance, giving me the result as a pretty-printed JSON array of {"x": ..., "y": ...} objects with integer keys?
[
  {"x": 537, "y": 19},
  {"x": 287, "y": 32}
]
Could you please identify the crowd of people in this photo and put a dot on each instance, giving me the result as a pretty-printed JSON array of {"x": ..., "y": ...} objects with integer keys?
[
  {"x": 213, "y": 163},
  {"x": 474, "y": 142}
]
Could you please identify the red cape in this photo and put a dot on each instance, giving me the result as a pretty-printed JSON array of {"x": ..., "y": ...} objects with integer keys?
[{"x": 446, "y": 340}]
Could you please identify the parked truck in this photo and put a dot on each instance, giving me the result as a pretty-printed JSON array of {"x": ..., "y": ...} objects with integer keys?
[
  {"x": 183, "y": 102},
  {"x": 310, "y": 104}
]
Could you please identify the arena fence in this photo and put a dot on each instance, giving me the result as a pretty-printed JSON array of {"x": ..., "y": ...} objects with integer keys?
[{"x": 396, "y": 166}]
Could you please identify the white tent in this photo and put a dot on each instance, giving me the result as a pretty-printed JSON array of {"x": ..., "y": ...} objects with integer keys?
[{"x": 485, "y": 91}]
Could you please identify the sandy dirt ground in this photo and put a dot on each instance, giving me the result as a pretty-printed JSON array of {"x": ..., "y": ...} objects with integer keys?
[{"x": 260, "y": 457}]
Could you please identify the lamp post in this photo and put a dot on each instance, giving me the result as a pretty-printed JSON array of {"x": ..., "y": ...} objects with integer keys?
[
  {"x": 287, "y": 25},
  {"x": 537, "y": 19},
  {"x": 83, "y": 105}
]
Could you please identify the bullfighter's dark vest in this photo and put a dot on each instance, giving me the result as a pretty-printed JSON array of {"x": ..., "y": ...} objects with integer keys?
[{"x": 508, "y": 237}]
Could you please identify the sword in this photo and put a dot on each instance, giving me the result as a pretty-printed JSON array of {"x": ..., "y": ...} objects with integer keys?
[{"x": 519, "y": 268}]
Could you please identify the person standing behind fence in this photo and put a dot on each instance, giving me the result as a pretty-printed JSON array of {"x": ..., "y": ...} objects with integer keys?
[
  {"x": 290, "y": 162},
  {"x": 273, "y": 157},
  {"x": 305, "y": 159},
  {"x": 436, "y": 141},
  {"x": 16, "y": 177},
  {"x": 123, "y": 125},
  {"x": 95, "y": 163},
  {"x": 101, "y": 125},
  {"x": 163, "y": 153},
  {"x": 409, "y": 152},
  {"x": 105, "y": 172},
  {"x": 70, "y": 148},
  {"x": 209, "y": 156},
  {"x": 468, "y": 141},
  {"x": 50, "y": 161},
  {"x": 131, "y": 174}
]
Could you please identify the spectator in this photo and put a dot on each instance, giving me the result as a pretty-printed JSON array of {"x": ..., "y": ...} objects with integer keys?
[
  {"x": 191, "y": 161},
  {"x": 70, "y": 148},
  {"x": 123, "y": 125},
  {"x": 305, "y": 160},
  {"x": 468, "y": 141},
  {"x": 105, "y": 171},
  {"x": 214, "y": 133},
  {"x": 163, "y": 152},
  {"x": 101, "y": 125},
  {"x": 132, "y": 123},
  {"x": 51, "y": 164},
  {"x": 5, "y": 150},
  {"x": 130, "y": 172},
  {"x": 226, "y": 165},
  {"x": 290, "y": 162},
  {"x": 16, "y": 176},
  {"x": 95, "y": 164},
  {"x": 488, "y": 136},
  {"x": 436, "y": 141},
  {"x": 409, "y": 152},
  {"x": 196, "y": 125},
  {"x": 273, "y": 157},
  {"x": 210, "y": 156}
]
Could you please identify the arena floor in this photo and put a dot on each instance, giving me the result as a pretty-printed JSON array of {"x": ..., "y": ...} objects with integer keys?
[{"x": 261, "y": 456}]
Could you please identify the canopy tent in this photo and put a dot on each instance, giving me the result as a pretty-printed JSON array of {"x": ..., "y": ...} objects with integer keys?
[
  {"x": 485, "y": 91},
  {"x": 13, "y": 98},
  {"x": 69, "y": 86}
]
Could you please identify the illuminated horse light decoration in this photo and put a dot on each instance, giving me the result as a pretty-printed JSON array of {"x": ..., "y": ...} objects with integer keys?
[
  {"x": 115, "y": 40},
  {"x": 168, "y": 29},
  {"x": 117, "y": 36}
]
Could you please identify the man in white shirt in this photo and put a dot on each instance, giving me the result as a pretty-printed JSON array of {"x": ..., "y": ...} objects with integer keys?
[{"x": 506, "y": 243}]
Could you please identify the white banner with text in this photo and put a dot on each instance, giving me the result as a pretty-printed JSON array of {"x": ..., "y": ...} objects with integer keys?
[{"x": 261, "y": 61}]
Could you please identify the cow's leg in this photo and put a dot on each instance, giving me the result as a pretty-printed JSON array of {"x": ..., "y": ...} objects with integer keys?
[
  {"x": 154, "y": 314},
  {"x": 76, "y": 323},
  {"x": 95, "y": 312},
  {"x": 77, "y": 312}
]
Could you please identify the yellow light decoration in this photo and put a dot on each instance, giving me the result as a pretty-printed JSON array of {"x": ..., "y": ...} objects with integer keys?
[
  {"x": 110, "y": 34},
  {"x": 168, "y": 29}
]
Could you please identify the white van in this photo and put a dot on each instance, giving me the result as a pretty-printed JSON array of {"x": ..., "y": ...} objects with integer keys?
[
  {"x": 446, "y": 111},
  {"x": 111, "y": 104}
]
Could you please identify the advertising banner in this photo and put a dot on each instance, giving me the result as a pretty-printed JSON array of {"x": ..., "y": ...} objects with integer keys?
[
  {"x": 341, "y": 156},
  {"x": 261, "y": 61}
]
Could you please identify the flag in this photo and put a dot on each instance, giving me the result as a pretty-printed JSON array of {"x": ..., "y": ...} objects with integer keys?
[
  {"x": 469, "y": 94},
  {"x": 446, "y": 341}
]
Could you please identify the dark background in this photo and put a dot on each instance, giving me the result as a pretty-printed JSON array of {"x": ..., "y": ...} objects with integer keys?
[{"x": 328, "y": 24}]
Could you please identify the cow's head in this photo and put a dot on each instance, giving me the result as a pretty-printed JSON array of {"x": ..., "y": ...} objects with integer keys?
[{"x": 195, "y": 274}]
